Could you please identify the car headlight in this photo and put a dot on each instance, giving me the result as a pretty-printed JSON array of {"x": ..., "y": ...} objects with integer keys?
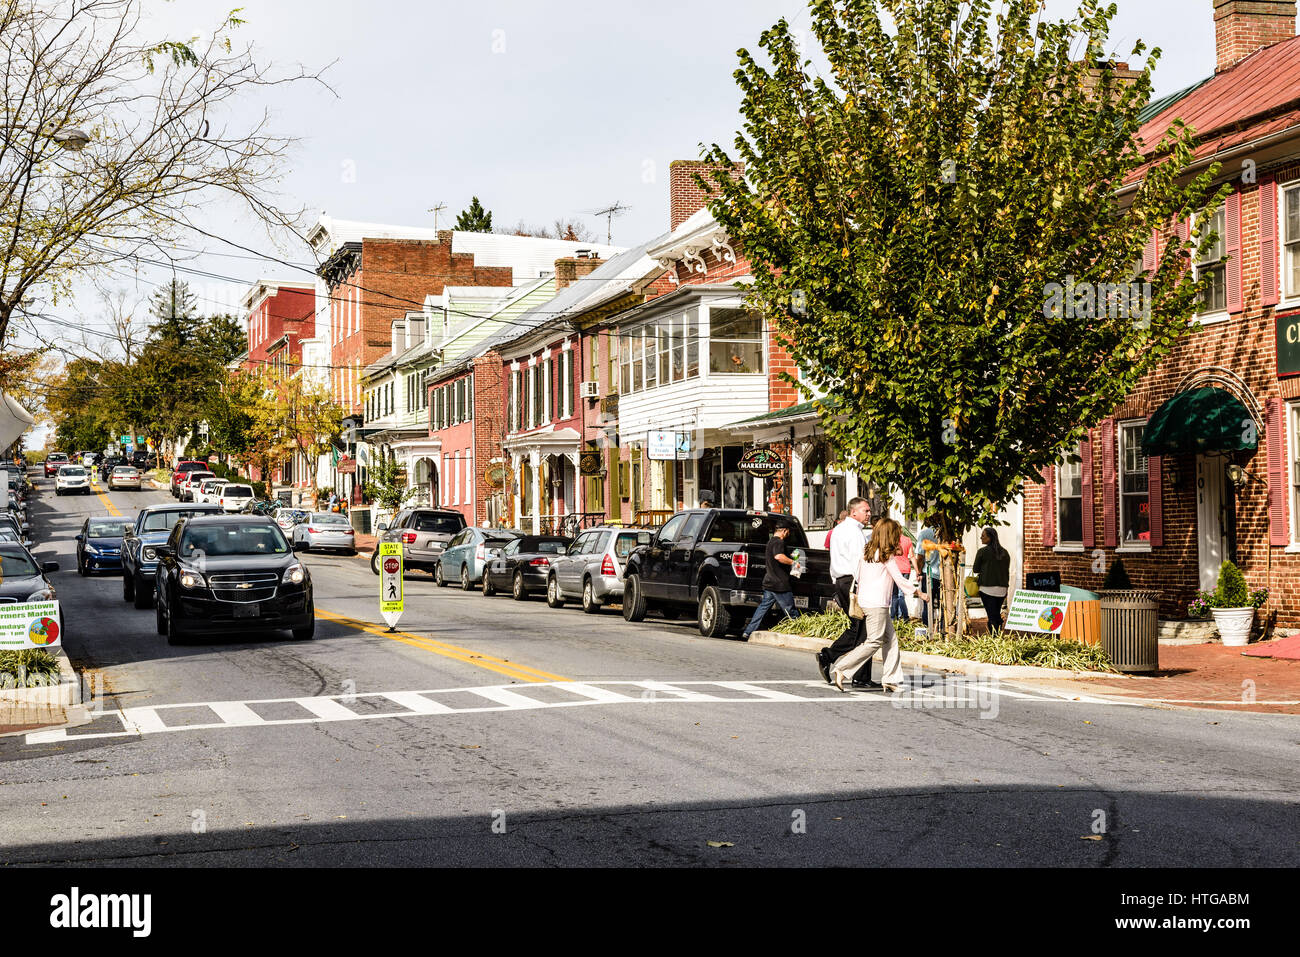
[
  {"x": 91, "y": 549},
  {"x": 294, "y": 574},
  {"x": 149, "y": 555},
  {"x": 45, "y": 594},
  {"x": 191, "y": 579}
]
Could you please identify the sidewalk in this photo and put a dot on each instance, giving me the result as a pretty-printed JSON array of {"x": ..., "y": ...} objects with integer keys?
[{"x": 365, "y": 544}]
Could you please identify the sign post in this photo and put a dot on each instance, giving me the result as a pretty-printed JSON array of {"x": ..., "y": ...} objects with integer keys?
[{"x": 392, "y": 600}]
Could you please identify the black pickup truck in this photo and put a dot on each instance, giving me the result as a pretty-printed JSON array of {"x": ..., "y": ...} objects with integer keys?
[{"x": 711, "y": 562}]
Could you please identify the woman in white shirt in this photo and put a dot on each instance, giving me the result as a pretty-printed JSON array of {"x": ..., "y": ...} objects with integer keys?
[{"x": 877, "y": 577}]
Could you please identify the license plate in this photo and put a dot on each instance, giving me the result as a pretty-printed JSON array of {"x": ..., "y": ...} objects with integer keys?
[
  {"x": 800, "y": 601},
  {"x": 247, "y": 611}
]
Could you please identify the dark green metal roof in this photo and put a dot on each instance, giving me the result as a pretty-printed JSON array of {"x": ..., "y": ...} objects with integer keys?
[
  {"x": 791, "y": 412},
  {"x": 1156, "y": 107}
]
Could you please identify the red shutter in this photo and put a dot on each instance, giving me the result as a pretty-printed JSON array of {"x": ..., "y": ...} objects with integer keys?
[
  {"x": 1268, "y": 242},
  {"x": 1184, "y": 232},
  {"x": 1155, "y": 500},
  {"x": 1085, "y": 452},
  {"x": 1110, "y": 518},
  {"x": 1049, "y": 507},
  {"x": 1233, "y": 250},
  {"x": 1149, "y": 255},
  {"x": 1278, "y": 532}
]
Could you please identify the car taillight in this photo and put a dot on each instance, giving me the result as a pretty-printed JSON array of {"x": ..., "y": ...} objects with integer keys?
[
  {"x": 740, "y": 563},
  {"x": 313, "y": 531},
  {"x": 408, "y": 538},
  {"x": 481, "y": 552},
  {"x": 540, "y": 561},
  {"x": 607, "y": 566},
  {"x": 349, "y": 531}
]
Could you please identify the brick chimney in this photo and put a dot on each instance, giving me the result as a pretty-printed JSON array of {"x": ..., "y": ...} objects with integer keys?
[
  {"x": 568, "y": 271},
  {"x": 1121, "y": 75},
  {"x": 1243, "y": 26},
  {"x": 685, "y": 196}
]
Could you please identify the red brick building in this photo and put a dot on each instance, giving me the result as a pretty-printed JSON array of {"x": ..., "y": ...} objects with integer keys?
[
  {"x": 1201, "y": 463},
  {"x": 278, "y": 316}
]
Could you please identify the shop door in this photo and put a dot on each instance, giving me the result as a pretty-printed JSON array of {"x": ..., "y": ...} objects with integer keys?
[{"x": 1212, "y": 523}]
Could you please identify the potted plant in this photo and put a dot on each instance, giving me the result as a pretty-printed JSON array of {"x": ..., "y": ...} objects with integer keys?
[{"x": 1231, "y": 604}]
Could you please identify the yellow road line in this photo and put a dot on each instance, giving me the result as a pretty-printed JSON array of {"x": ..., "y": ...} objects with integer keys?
[
  {"x": 500, "y": 665},
  {"x": 103, "y": 497}
]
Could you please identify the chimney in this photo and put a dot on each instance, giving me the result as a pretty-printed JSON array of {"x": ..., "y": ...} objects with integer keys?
[
  {"x": 685, "y": 198},
  {"x": 568, "y": 271},
  {"x": 1243, "y": 26},
  {"x": 1121, "y": 75},
  {"x": 399, "y": 336}
]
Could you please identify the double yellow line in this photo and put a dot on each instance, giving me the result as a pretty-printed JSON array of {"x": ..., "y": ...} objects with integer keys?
[
  {"x": 103, "y": 497},
  {"x": 500, "y": 665}
]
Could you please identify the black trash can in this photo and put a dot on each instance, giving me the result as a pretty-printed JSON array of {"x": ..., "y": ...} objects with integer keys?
[{"x": 1130, "y": 629}]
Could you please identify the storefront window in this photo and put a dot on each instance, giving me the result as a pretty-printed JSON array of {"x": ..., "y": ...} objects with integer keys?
[
  {"x": 1135, "y": 503},
  {"x": 1069, "y": 499},
  {"x": 735, "y": 341}
]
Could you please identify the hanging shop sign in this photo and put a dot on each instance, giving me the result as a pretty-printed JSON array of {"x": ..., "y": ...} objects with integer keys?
[
  {"x": 761, "y": 463},
  {"x": 495, "y": 476},
  {"x": 591, "y": 463}
]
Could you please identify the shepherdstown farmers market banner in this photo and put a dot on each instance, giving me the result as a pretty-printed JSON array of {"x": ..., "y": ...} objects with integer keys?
[{"x": 30, "y": 625}]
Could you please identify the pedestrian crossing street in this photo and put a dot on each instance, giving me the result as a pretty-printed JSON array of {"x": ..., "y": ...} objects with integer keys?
[{"x": 922, "y": 692}]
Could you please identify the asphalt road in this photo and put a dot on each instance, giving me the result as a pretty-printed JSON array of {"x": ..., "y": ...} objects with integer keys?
[{"x": 489, "y": 732}]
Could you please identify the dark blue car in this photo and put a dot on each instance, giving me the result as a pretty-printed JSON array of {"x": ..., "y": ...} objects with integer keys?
[{"x": 99, "y": 544}]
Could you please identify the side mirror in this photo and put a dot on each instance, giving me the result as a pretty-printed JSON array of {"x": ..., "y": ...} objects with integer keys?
[
  {"x": 643, "y": 538},
  {"x": 299, "y": 545},
  {"x": 382, "y": 526},
  {"x": 49, "y": 566},
  {"x": 80, "y": 537},
  {"x": 27, "y": 526},
  {"x": 163, "y": 550}
]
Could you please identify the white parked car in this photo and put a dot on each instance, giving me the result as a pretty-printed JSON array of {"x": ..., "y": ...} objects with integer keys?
[
  {"x": 72, "y": 478},
  {"x": 232, "y": 497},
  {"x": 190, "y": 484},
  {"x": 209, "y": 491}
]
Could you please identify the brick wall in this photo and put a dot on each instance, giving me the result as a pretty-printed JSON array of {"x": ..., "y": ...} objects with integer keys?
[
  {"x": 1244, "y": 344},
  {"x": 685, "y": 197},
  {"x": 490, "y": 383}
]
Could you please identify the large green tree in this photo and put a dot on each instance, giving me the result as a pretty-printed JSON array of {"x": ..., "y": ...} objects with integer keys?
[{"x": 907, "y": 216}]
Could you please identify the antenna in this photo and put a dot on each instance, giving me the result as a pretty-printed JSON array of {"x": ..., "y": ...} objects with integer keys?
[
  {"x": 436, "y": 210},
  {"x": 609, "y": 212}
]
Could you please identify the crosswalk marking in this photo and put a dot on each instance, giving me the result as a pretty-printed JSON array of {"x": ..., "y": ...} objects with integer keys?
[{"x": 137, "y": 722}]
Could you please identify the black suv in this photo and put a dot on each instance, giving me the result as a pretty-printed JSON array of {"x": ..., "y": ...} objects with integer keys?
[{"x": 229, "y": 574}]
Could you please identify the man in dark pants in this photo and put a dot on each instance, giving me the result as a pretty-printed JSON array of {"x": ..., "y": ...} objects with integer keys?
[
  {"x": 848, "y": 542},
  {"x": 776, "y": 581}
]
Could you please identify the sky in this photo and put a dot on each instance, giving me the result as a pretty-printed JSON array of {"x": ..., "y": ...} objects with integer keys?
[{"x": 544, "y": 110}]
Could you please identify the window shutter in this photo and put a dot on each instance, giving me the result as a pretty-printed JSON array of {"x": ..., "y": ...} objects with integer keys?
[
  {"x": 1232, "y": 247},
  {"x": 1085, "y": 453},
  {"x": 1278, "y": 532},
  {"x": 1268, "y": 278},
  {"x": 1149, "y": 255},
  {"x": 1049, "y": 506},
  {"x": 1110, "y": 523},
  {"x": 1155, "y": 500}
]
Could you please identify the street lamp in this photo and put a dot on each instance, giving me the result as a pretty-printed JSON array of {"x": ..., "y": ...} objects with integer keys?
[{"x": 72, "y": 139}]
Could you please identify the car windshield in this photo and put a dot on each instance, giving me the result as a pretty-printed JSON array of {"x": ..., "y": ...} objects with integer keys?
[
  {"x": 166, "y": 521},
  {"x": 108, "y": 528},
  {"x": 233, "y": 539},
  {"x": 16, "y": 564},
  {"x": 123, "y": 469},
  {"x": 8, "y": 533},
  {"x": 72, "y": 470},
  {"x": 328, "y": 518},
  {"x": 447, "y": 524},
  {"x": 237, "y": 491},
  {"x": 57, "y": 458}
]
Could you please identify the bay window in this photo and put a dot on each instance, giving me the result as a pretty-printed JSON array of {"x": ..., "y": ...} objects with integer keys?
[{"x": 735, "y": 341}]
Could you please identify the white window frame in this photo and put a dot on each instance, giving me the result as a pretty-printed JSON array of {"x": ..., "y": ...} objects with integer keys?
[
  {"x": 1061, "y": 542},
  {"x": 1288, "y": 297},
  {"x": 1291, "y": 422},
  {"x": 1221, "y": 315},
  {"x": 1136, "y": 545},
  {"x": 706, "y": 342}
]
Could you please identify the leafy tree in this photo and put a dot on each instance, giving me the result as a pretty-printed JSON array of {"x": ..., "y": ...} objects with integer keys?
[
  {"x": 386, "y": 484},
  {"x": 112, "y": 138},
  {"x": 175, "y": 311},
  {"x": 906, "y": 217},
  {"x": 475, "y": 219},
  {"x": 297, "y": 415}
]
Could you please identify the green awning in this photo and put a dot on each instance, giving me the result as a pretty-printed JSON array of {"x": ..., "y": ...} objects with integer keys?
[{"x": 1201, "y": 421}]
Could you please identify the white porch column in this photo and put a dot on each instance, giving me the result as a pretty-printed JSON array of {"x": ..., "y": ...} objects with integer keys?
[
  {"x": 535, "y": 461},
  {"x": 798, "y": 507},
  {"x": 850, "y": 487}
]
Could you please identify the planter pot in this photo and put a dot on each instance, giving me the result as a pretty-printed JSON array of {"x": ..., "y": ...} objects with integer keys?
[{"x": 1234, "y": 624}]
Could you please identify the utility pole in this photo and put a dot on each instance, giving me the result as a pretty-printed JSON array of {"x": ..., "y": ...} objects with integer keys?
[{"x": 609, "y": 212}]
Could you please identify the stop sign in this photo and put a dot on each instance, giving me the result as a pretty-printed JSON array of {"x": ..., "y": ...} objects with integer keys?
[{"x": 392, "y": 565}]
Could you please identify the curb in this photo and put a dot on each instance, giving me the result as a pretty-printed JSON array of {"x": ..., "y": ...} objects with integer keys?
[
  {"x": 934, "y": 662},
  {"x": 52, "y": 706}
]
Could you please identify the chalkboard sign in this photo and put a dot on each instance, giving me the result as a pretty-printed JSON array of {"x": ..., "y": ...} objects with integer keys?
[{"x": 1043, "y": 581}]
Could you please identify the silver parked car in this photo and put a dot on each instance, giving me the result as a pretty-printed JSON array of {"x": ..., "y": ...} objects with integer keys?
[
  {"x": 325, "y": 530},
  {"x": 591, "y": 570},
  {"x": 466, "y": 555},
  {"x": 124, "y": 476},
  {"x": 423, "y": 532}
]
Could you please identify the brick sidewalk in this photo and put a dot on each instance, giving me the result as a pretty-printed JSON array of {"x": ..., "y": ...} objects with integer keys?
[
  {"x": 365, "y": 543},
  {"x": 1213, "y": 676}
]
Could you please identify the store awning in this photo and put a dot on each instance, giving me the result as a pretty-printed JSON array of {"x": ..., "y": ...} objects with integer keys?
[{"x": 1201, "y": 421}]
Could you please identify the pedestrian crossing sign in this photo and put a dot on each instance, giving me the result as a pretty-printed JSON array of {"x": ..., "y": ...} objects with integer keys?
[{"x": 392, "y": 600}]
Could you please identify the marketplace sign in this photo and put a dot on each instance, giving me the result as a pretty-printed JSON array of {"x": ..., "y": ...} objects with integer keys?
[
  {"x": 30, "y": 625},
  {"x": 1037, "y": 611}
]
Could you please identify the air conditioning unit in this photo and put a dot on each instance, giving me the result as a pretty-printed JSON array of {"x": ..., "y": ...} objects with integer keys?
[{"x": 589, "y": 390}]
